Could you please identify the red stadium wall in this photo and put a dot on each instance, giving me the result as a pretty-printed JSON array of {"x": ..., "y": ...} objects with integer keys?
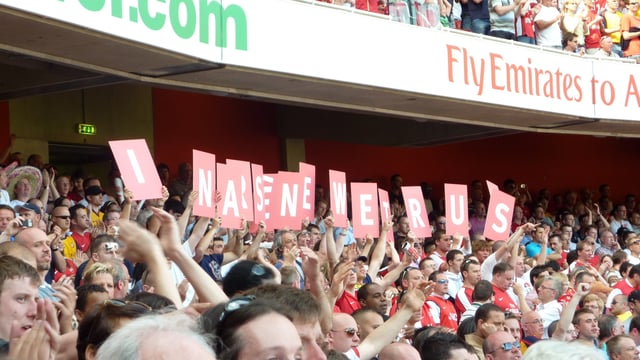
[{"x": 229, "y": 128}]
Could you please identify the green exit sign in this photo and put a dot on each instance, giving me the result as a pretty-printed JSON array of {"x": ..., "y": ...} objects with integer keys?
[{"x": 86, "y": 129}]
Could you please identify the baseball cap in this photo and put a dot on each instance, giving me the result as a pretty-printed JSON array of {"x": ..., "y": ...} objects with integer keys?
[
  {"x": 30, "y": 207},
  {"x": 634, "y": 295},
  {"x": 93, "y": 190}
]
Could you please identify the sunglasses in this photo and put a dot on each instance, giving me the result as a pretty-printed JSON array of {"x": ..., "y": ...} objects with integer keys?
[
  {"x": 442, "y": 281},
  {"x": 65, "y": 217},
  {"x": 234, "y": 305},
  {"x": 349, "y": 331},
  {"x": 508, "y": 346}
]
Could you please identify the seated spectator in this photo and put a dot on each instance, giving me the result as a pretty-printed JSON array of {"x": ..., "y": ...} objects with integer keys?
[
  {"x": 606, "y": 48},
  {"x": 570, "y": 43}
]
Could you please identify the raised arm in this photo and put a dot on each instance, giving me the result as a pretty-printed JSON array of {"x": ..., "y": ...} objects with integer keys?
[
  {"x": 205, "y": 241},
  {"x": 183, "y": 220},
  {"x": 332, "y": 255},
  {"x": 126, "y": 204},
  {"x": 313, "y": 277},
  {"x": 566, "y": 317},
  {"x": 411, "y": 302},
  {"x": 140, "y": 245},
  {"x": 377, "y": 256},
  {"x": 207, "y": 289}
]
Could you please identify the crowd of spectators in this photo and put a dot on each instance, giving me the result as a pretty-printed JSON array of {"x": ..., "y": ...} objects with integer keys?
[
  {"x": 600, "y": 28},
  {"x": 86, "y": 272}
]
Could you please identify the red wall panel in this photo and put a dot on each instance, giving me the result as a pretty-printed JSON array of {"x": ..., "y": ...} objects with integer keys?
[{"x": 227, "y": 127}]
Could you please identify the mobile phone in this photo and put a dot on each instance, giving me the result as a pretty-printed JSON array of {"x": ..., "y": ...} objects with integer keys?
[
  {"x": 406, "y": 246},
  {"x": 27, "y": 223}
]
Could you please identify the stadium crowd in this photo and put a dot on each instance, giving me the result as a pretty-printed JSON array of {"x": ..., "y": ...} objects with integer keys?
[
  {"x": 601, "y": 28},
  {"x": 88, "y": 273}
]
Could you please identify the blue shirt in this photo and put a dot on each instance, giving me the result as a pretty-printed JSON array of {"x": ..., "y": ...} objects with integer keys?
[{"x": 533, "y": 249}]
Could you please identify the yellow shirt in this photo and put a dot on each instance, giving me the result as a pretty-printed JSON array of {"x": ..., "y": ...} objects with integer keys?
[
  {"x": 96, "y": 218},
  {"x": 70, "y": 247}
]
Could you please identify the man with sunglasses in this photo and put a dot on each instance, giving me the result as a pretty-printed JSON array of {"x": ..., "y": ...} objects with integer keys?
[
  {"x": 442, "y": 310},
  {"x": 501, "y": 346},
  {"x": 80, "y": 225},
  {"x": 60, "y": 223}
]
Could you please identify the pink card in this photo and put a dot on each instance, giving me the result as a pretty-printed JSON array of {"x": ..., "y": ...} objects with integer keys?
[
  {"x": 338, "y": 197},
  {"x": 385, "y": 211},
  {"x": 229, "y": 188},
  {"x": 308, "y": 194},
  {"x": 243, "y": 175},
  {"x": 136, "y": 166},
  {"x": 457, "y": 209},
  {"x": 259, "y": 192},
  {"x": 204, "y": 181},
  {"x": 364, "y": 201},
  {"x": 499, "y": 216},
  {"x": 285, "y": 201},
  {"x": 416, "y": 211}
]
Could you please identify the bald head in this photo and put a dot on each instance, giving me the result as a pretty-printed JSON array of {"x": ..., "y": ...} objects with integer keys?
[
  {"x": 37, "y": 241},
  {"x": 399, "y": 351},
  {"x": 344, "y": 333},
  {"x": 501, "y": 345}
]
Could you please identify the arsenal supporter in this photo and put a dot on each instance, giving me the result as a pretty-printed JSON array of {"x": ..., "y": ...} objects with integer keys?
[
  {"x": 612, "y": 18},
  {"x": 538, "y": 244},
  {"x": 470, "y": 271},
  {"x": 442, "y": 311},
  {"x": 6, "y": 215},
  {"x": 427, "y": 266},
  {"x": 443, "y": 245},
  {"x": 585, "y": 254},
  {"x": 80, "y": 238},
  {"x": 580, "y": 276},
  {"x": 549, "y": 289},
  {"x": 371, "y": 296},
  {"x": 482, "y": 294},
  {"x": 593, "y": 23},
  {"x": 524, "y": 23},
  {"x": 547, "y": 22},
  {"x": 503, "y": 279},
  {"x": 608, "y": 243},
  {"x": 413, "y": 278},
  {"x": 620, "y": 212},
  {"x": 481, "y": 249},
  {"x": 343, "y": 336},
  {"x": 348, "y": 301},
  {"x": 402, "y": 231},
  {"x": 532, "y": 328},
  {"x": 489, "y": 318},
  {"x": 633, "y": 248},
  {"x": 454, "y": 262},
  {"x": 625, "y": 286}
]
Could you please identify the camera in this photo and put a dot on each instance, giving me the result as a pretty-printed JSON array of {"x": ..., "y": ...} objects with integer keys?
[{"x": 27, "y": 223}]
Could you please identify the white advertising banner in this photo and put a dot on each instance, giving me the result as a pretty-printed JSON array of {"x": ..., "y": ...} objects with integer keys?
[{"x": 321, "y": 42}]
